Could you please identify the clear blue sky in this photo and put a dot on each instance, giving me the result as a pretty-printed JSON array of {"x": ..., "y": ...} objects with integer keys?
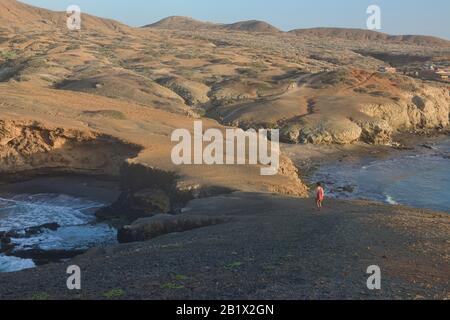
[{"x": 427, "y": 17}]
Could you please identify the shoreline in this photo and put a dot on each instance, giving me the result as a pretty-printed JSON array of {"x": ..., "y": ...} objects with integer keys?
[
  {"x": 268, "y": 247},
  {"x": 309, "y": 158},
  {"x": 226, "y": 208},
  {"x": 103, "y": 192}
]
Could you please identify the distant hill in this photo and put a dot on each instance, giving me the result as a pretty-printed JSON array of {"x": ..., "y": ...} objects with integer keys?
[
  {"x": 186, "y": 23},
  {"x": 369, "y": 35},
  {"x": 180, "y": 23},
  {"x": 252, "y": 26},
  {"x": 17, "y": 16}
]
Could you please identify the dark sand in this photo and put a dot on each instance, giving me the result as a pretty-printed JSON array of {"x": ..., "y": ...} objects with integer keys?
[{"x": 273, "y": 248}]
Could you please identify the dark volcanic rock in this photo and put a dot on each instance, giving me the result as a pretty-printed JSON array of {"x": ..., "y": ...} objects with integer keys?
[
  {"x": 149, "y": 228},
  {"x": 139, "y": 204},
  {"x": 28, "y": 232},
  {"x": 5, "y": 243},
  {"x": 41, "y": 257},
  {"x": 39, "y": 229},
  {"x": 349, "y": 189}
]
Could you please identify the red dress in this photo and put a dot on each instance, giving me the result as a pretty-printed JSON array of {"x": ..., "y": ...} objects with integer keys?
[{"x": 320, "y": 194}]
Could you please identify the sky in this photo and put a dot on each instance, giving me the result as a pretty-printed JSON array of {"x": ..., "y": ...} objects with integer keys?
[{"x": 424, "y": 17}]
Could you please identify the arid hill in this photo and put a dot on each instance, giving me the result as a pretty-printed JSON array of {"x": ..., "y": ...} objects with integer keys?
[
  {"x": 133, "y": 86},
  {"x": 97, "y": 100},
  {"x": 369, "y": 35},
  {"x": 345, "y": 106},
  {"x": 180, "y": 23},
  {"x": 252, "y": 26},
  {"x": 189, "y": 24},
  {"x": 16, "y": 16}
]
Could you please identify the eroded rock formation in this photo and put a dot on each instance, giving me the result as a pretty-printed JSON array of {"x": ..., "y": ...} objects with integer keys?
[{"x": 27, "y": 147}]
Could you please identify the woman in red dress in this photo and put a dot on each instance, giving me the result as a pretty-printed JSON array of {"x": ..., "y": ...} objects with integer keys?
[{"x": 320, "y": 195}]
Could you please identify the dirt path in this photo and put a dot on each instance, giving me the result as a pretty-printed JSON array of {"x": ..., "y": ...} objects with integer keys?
[{"x": 273, "y": 248}]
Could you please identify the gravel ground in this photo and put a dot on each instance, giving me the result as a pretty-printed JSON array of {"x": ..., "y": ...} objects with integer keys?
[{"x": 272, "y": 248}]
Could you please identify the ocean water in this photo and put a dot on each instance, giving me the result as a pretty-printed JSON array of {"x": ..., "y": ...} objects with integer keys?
[
  {"x": 78, "y": 230},
  {"x": 418, "y": 179}
]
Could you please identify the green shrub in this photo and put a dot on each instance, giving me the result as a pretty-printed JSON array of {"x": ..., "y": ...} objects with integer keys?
[
  {"x": 114, "y": 294},
  {"x": 172, "y": 286},
  {"x": 40, "y": 296},
  {"x": 8, "y": 55},
  {"x": 233, "y": 265}
]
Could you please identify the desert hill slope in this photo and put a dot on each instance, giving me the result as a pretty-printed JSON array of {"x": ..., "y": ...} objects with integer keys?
[
  {"x": 252, "y": 26},
  {"x": 369, "y": 35},
  {"x": 18, "y": 16},
  {"x": 344, "y": 106},
  {"x": 180, "y": 23},
  {"x": 99, "y": 85},
  {"x": 189, "y": 24},
  {"x": 139, "y": 86}
]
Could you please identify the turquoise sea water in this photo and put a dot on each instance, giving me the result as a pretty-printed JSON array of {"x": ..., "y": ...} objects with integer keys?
[{"x": 418, "y": 179}]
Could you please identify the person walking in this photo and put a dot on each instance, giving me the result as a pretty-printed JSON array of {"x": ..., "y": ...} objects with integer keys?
[{"x": 320, "y": 195}]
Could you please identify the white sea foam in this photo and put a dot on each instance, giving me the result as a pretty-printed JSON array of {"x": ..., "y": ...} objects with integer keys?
[
  {"x": 12, "y": 264},
  {"x": 78, "y": 230},
  {"x": 390, "y": 200},
  {"x": 24, "y": 211}
]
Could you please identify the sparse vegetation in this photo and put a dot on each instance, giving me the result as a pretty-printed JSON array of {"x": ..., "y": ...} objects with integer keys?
[
  {"x": 114, "y": 294},
  {"x": 8, "y": 55},
  {"x": 113, "y": 114},
  {"x": 268, "y": 268},
  {"x": 247, "y": 72},
  {"x": 180, "y": 277},
  {"x": 360, "y": 90},
  {"x": 233, "y": 265},
  {"x": 40, "y": 296},
  {"x": 384, "y": 94},
  {"x": 200, "y": 112},
  {"x": 172, "y": 286},
  {"x": 74, "y": 47}
]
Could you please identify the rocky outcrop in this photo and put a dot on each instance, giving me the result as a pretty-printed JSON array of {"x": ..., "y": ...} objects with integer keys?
[
  {"x": 295, "y": 187},
  {"x": 375, "y": 131},
  {"x": 6, "y": 243},
  {"x": 193, "y": 93},
  {"x": 147, "y": 192},
  {"x": 377, "y": 107},
  {"x": 322, "y": 131},
  {"x": 42, "y": 257},
  {"x": 30, "y": 147},
  {"x": 133, "y": 205},
  {"x": 149, "y": 228}
]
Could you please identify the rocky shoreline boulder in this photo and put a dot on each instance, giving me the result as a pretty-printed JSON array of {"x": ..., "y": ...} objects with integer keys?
[{"x": 149, "y": 228}]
